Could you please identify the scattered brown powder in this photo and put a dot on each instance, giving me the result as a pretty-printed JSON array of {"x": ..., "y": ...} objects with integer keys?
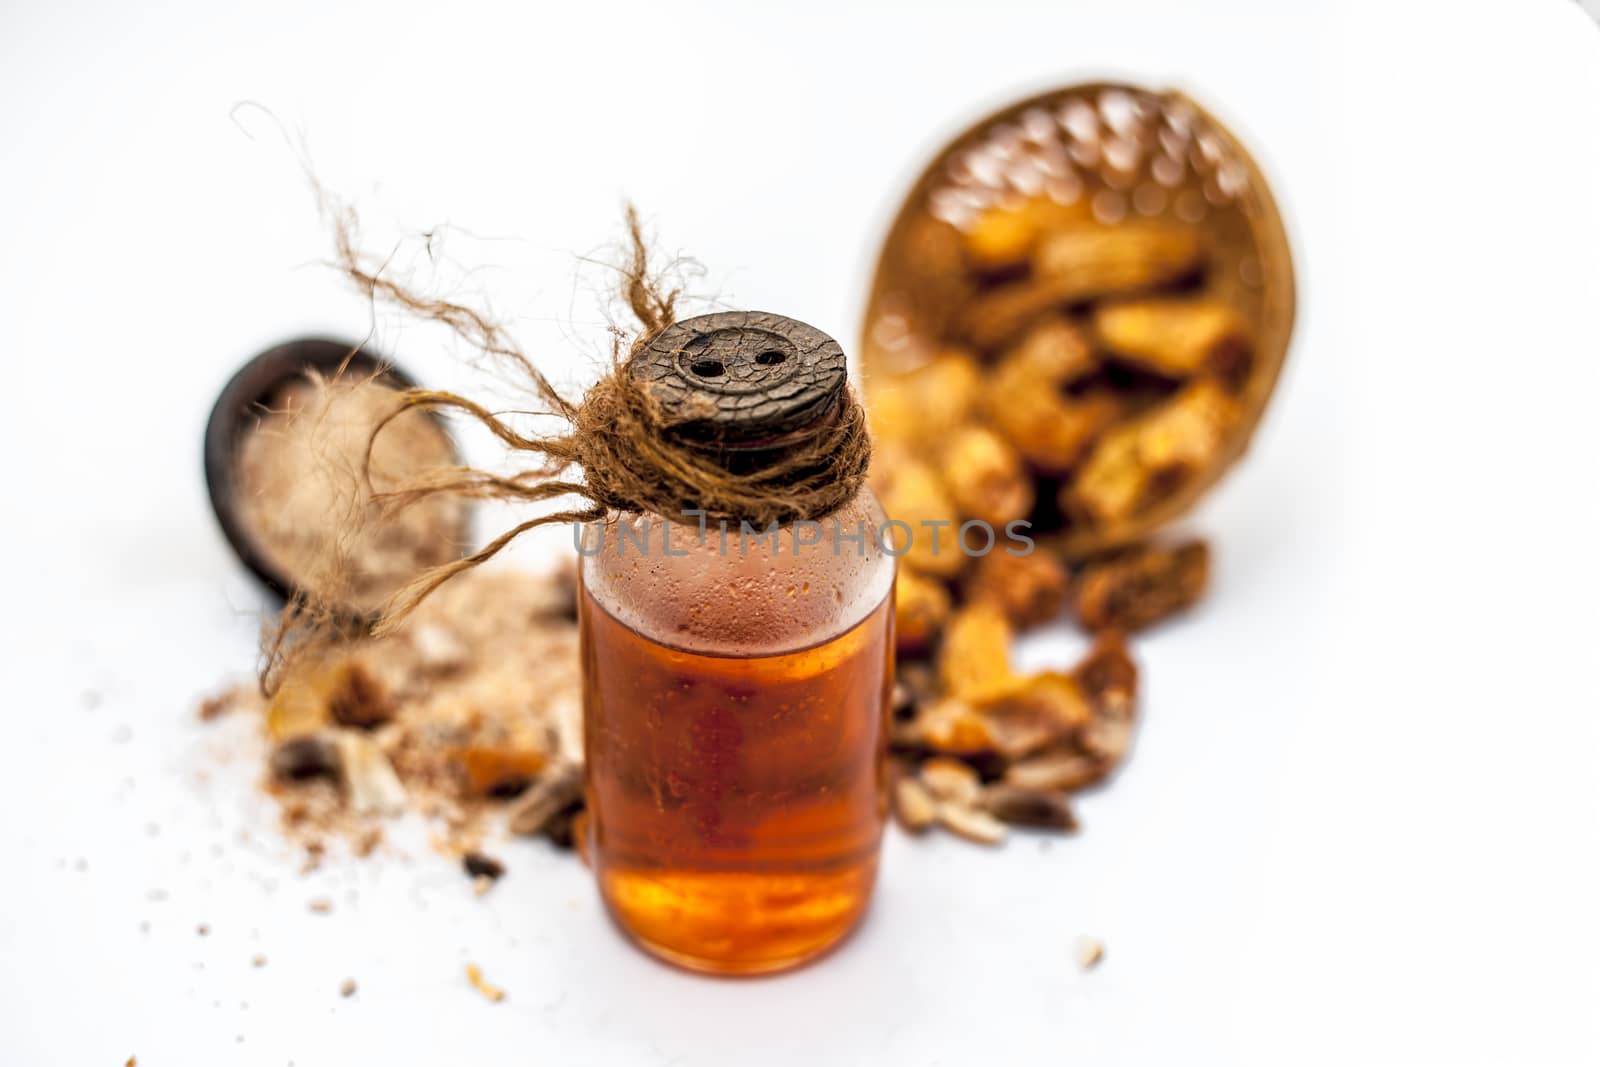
[
  {"x": 468, "y": 711},
  {"x": 216, "y": 706}
]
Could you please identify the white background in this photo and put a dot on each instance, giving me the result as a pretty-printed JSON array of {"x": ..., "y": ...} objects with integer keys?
[{"x": 1363, "y": 819}]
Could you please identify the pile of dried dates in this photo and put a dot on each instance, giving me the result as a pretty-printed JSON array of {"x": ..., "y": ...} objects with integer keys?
[{"x": 1078, "y": 318}]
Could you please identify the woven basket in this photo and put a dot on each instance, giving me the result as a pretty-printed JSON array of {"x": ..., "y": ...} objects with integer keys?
[{"x": 1132, "y": 153}]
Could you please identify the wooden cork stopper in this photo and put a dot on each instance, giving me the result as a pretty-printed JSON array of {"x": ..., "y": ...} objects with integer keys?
[{"x": 742, "y": 380}]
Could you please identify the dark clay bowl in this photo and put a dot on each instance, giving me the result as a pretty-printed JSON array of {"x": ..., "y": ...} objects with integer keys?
[{"x": 239, "y": 408}]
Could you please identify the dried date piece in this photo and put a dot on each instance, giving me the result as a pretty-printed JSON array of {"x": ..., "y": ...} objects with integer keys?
[
  {"x": 972, "y": 823},
  {"x": 1135, "y": 462},
  {"x": 1137, "y": 588},
  {"x": 985, "y": 477},
  {"x": 1107, "y": 680},
  {"x": 1002, "y": 238},
  {"x": 1177, "y": 337},
  {"x": 1077, "y": 263},
  {"x": 1090, "y": 261},
  {"x": 1025, "y": 398},
  {"x": 924, "y": 405},
  {"x": 1053, "y": 351},
  {"x": 1065, "y": 769},
  {"x": 950, "y": 780},
  {"x": 1052, "y": 431},
  {"x": 949, "y": 726},
  {"x": 1038, "y": 808},
  {"x": 1026, "y": 716},
  {"x": 914, "y": 807},
  {"x": 558, "y": 793},
  {"x": 975, "y": 657},
  {"x": 997, "y": 316},
  {"x": 1108, "y": 740},
  {"x": 498, "y": 770},
  {"x": 921, "y": 607},
  {"x": 1109, "y": 677},
  {"x": 1028, "y": 588},
  {"x": 915, "y": 496},
  {"x": 1036, "y": 712}
]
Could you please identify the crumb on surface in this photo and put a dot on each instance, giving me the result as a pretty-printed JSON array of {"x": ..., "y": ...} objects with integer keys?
[
  {"x": 1090, "y": 952},
  {"x": 482, "y": 985},
  {"x": 479, "y": 865}
]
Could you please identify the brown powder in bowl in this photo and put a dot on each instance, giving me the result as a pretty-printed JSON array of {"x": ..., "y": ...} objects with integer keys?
[{"x": 301, "y": 478}]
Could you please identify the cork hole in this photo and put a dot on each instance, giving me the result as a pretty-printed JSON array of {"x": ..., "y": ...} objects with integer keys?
[
  {"x": 708, "y": 368},
  {"x": 771, "y": 358}
]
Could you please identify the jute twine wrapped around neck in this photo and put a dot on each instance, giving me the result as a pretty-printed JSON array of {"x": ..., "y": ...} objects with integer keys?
[{"x": 619, "y": 453}]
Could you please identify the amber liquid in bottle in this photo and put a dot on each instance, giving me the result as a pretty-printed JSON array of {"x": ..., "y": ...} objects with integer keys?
[{"x": 736, "y": 803}]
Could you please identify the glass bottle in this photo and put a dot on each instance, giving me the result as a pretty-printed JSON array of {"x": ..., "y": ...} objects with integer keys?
[{"x": 737, "y": 679}]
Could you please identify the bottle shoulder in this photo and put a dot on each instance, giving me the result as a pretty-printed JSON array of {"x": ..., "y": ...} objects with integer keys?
[{"x": 731, "y": 589}]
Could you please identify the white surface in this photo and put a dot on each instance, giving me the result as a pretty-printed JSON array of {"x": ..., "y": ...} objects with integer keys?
[{"x": 1363, "y": 820}]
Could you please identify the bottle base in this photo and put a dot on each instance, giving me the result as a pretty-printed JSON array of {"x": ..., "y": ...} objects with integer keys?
[
  {"x": 738, "y": 924},
  {"x": 742, "y": 968}
]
